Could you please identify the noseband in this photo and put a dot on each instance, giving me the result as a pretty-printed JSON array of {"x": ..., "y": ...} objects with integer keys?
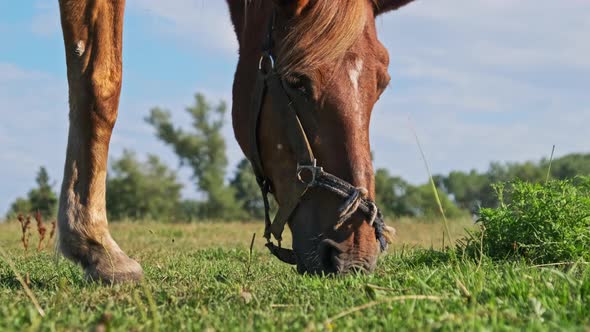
[{"x": 291, "y": 103}]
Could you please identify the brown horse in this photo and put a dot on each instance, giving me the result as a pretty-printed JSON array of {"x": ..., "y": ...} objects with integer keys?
[
  {"x": 326, "y": 50},
  {"x": 314, "y": 70}
]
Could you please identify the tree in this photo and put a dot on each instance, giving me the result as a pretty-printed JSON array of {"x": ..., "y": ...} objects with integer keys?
[
  {"x": 19, "y": 206},
  {"x": 469, "y": 190},
  {"x": 190, "y": 210},
  {"x": 389, "y": 191},
  {"x": 398, "y": 198},
  {"x": 142, "y": 190},
  {"x": 474, "y": 190},
  {"x": 569, "y": 166},
  {"x": 203, "y": 150},
  {"x": 247, "y": 191},
  {"x": 42, "y": 199},
  {"x": 422, "y": 203}
]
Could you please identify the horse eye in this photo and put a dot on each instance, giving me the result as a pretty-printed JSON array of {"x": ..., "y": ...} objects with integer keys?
[
  {"x": 302, "y": 89},
  {"x": 383, "y": 80},
  {"x": 299, "y": 83}
]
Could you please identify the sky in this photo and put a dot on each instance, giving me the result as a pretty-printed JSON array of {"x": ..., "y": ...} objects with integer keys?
[{"x": 477, "y": 80}]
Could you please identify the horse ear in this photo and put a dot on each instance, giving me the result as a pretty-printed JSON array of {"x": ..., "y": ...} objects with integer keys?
[
  {"x": 382, "y": 6},
  {"x": 291, "y": 7}
]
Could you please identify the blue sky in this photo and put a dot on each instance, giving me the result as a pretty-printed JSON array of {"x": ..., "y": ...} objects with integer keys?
[{"x": 479, "y": 80}]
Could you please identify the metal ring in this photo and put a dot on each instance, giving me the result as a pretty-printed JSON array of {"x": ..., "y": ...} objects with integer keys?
[
  {"x": 269, "y": 57},
  {"x": 312, "y": 171}
]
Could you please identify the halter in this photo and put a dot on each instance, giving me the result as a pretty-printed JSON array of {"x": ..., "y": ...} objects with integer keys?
[{"x": 290, "y": 103}]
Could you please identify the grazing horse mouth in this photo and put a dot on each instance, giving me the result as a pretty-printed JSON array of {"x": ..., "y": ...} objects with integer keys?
[
  {"x": 331, "y": 258},
  {"x": 309, "y": 175},
  {"x": 336, "y": 260}
]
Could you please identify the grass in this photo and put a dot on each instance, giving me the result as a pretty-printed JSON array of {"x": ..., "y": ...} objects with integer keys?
[
  {"x": 538, "y": 222},
  {"x": 197, "y": 279}
]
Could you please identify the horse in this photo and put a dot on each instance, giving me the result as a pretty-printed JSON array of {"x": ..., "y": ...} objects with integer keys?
[{"x": 309, "y": 73}]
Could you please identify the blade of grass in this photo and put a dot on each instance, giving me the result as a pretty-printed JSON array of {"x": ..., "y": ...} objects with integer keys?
[
  {"x": 22, "y": 282},
  {"x": 251, "y": 254},
  {"x": 550, "y": 162},
  {"x": 432, "y": 184},
  {"x": 152, "y": 305},
  {"x": 139, "y": 305},
  {"x": 328, "y": 322}
]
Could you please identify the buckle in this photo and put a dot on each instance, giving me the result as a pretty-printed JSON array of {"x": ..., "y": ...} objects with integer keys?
[
  {"x": 266, "y": 58},
  {"x": 307, "y": 174}
]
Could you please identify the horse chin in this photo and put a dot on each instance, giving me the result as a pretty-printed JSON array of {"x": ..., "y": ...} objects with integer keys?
[
  {"x": 352, "y": 269},
  {"x": 303, "y": 268},
  {"x": 307, "y": 262}
]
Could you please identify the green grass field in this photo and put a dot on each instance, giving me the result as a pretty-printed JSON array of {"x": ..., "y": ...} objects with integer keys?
[{"x": 201, "y": 277}]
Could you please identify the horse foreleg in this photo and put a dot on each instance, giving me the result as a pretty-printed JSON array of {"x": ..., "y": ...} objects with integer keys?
[{"x": 92, "y": 32}]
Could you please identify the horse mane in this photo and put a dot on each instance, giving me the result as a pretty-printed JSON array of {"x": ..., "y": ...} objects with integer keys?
[{"x": 322, "y": 35}]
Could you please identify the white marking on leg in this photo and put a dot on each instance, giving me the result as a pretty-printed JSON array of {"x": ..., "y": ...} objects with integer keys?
[{"x": 80, "y": 48}]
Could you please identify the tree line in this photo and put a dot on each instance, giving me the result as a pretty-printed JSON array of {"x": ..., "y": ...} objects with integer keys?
[
  {"x": 149, "y": 189},
  {"x": 464, "y": 193}
]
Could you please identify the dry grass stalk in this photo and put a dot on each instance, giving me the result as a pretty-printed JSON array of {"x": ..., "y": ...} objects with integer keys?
[
  {"x": 464, "y": 291},
  {"x": 25, "y": 224},
  {"x": 558, "y": 264},
  {"x": 432, "y": 184},
  {"x": 52, "y": 232},
  {"x": 41, "y": 229}
]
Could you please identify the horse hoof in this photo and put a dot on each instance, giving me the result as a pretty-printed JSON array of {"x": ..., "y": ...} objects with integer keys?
[
  {"x": 115, "y": 270},
  {"x": 100, "y": 256}
]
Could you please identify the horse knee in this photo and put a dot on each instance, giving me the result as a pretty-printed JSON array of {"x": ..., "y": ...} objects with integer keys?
[
  {"x": 106, "y": 88},
  {"x": 106, "y": 82}
]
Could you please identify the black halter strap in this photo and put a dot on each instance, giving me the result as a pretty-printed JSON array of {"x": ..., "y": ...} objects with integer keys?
[{"x": 289, "y": 102}]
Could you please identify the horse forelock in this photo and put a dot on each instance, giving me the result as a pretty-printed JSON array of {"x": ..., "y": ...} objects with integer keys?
[{"x": 321, "y": 35}]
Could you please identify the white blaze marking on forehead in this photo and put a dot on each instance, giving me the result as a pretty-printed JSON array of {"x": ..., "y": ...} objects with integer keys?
[{"x": 355, "y": 73}]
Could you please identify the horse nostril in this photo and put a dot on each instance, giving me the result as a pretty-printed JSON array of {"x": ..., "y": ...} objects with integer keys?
[{"x": 328, "y": 252}]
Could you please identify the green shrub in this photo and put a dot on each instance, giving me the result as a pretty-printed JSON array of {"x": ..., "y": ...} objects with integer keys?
[{"x": 542, "y": 223}]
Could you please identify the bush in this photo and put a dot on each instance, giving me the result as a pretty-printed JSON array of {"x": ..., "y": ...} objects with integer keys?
[
  {"x": 40, "y": 199},
  {"x": 542, "y": 223},
  {"x": 142, "y": 190}
]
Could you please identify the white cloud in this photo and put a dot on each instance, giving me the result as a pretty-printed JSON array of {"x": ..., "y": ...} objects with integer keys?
[
  {"x": 205, "y": 26},
  {"x": 33, "y": 106},
  {"x": 503, "y": 32},
  {"x": 483, "y": 80},
  {"x": 197, "y": 25},
  {"x": 452, "y": 142}
]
